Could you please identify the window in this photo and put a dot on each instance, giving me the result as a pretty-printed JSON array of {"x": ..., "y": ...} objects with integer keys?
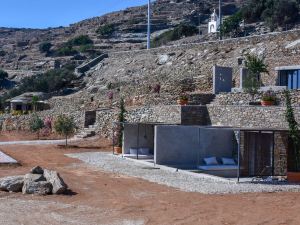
[{"x": 290, "y": 78}]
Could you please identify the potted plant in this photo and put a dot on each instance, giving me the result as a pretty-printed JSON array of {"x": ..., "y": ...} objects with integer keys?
[
  {"x": 121, "y": 120},
  {"x": 183, "y": 100},
  {"x": 268, "y": 98},
  {"x": 293, "y": 170}
]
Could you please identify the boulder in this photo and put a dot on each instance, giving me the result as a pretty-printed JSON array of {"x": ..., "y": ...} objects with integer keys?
[
  {"x": 13, "y": 184},
  {"x": 163, "y": 59},
  {"x": 57, "y": 182},
  {"x": 40, "y": 188},
  {"x": 37, "y": 170}
]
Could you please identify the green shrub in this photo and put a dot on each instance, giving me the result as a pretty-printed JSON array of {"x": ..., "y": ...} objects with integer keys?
[
  {"x": 182, "y": 30},
  {"x": 50, "y": 81},
  {"x": 276, "y": 13},
  {"x": 86, "y": 48},
  {"x": 231, "y": 25},
  {"x": 80, "y": 40},
  {"x": 36, "y": 124},
  {"x": 294, "y": 136},
  {"x": 66, "y": 51},
  {"x": 106, "y": 30},
  {"x": 45, "y": 47}
]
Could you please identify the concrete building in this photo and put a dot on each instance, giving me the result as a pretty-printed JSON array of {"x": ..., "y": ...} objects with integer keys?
[{"x": 238, "y": 152}]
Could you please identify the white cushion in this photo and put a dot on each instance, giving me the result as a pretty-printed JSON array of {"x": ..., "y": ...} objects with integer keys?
[
  {"x": 144, "y": 151},
  {"x": 133, "y": 151},
  {"x": 211, "y": 161},
  {"x": 228, "y": 161}
]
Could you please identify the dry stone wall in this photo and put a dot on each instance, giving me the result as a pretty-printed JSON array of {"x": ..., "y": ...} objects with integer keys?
[
  {"x": 245, "y": 98},
  {"x": 250, "y": 116}
]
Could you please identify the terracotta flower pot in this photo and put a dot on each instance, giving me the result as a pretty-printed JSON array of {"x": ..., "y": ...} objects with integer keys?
[
  {"x": 267, "y": 103},
  {"x": 182, "y": 102},
  {"x": 118, "y": 150},
  {"x": 293, "y": 177}
]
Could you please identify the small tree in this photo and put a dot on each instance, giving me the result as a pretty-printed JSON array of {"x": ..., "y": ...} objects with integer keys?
[
  {"x": 255, "y": 66},
  {"x": 231, "y": 25},
  {"x": 36, "y": 124},
  {"x": 294, "y": 136},
  {"x": 121, "y": 119},
  {"x": 65, "y": 126}
]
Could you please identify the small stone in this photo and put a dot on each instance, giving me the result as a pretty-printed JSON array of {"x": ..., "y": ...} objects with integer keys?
[
  {"x": 37, "y": 170},
  {"x": 13, "y": 184}
]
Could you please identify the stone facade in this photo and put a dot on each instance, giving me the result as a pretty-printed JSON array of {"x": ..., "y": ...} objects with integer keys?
[
  {"x": 280, "y": 153},
  {"x": 245, "y": 98},
  {"x": 249, "y": 116}
]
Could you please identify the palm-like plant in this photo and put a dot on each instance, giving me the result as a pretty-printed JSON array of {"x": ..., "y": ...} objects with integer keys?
[{"x": 255, "y": 66}]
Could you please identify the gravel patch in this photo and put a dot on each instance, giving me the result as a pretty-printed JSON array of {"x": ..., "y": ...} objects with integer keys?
[{"x": 185, "y": 181}]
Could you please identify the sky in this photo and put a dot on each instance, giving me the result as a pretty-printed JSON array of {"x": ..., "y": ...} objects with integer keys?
[{"x": 54, "y": 13}]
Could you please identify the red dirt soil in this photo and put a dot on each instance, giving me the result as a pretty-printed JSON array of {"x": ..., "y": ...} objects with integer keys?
[{"x": 108, "y": 198}]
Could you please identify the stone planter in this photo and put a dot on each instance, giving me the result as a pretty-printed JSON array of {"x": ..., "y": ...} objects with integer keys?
[
  {"x": 118, "y": 150},
  {"x": 293, "y": 177},
  {"x": 182, "y": 102},
  {"x": 267, "y": 103}
]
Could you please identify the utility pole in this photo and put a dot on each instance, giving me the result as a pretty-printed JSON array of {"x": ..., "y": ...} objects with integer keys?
[
  {"x": 149, "y": 25},
  {"x": 220, "y": 18}
]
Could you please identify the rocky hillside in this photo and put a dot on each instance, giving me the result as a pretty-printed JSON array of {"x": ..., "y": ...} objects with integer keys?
[{"x": 123, "y": 30}]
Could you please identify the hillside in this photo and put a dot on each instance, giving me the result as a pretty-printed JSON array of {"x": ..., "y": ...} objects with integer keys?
[{"x": 19, "y": 48}]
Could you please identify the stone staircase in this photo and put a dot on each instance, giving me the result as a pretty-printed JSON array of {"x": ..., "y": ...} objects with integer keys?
[{"x": 86, "y": 132}]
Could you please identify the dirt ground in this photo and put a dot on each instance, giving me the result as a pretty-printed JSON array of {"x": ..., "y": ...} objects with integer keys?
[{"x": 105, "y": 198}]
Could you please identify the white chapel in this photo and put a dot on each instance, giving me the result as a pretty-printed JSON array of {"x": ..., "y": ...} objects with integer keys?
[{"x": 214, "y": 23}]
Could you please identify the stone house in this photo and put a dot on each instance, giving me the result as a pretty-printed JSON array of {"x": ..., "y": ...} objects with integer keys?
[{"x": 26, "y": 103}]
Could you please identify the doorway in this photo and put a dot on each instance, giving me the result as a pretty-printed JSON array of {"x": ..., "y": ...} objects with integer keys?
[
  {"x": 259, "y": 153},
  {"x": 90, "y": 118}
]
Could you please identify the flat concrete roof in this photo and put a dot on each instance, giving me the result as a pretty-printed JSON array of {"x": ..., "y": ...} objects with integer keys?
[{"x": 294, "y": 67}]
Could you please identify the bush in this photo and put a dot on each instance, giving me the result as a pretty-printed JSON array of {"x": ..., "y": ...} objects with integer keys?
[
  {"x": 86, "y": 48},
  {"x": 45, "y": 47},
  {"x": 80, "y": 40},
  {"x": 276, "y": 13},
  {"x": 231, "y": 25},
  {"x": 50, "y": 81},
  {"x": 106, "y": 30},
  {"x": 36, "y": 124},
  {"x": 183, "y": 30},
  {"x": 66, "y": 51},
  {"x": 65, "y": 126}
]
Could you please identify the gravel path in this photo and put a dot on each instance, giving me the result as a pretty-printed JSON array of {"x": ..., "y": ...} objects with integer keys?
[
  {"x": 182, "y": 180},
  {"x": 36, "y": 142}
]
